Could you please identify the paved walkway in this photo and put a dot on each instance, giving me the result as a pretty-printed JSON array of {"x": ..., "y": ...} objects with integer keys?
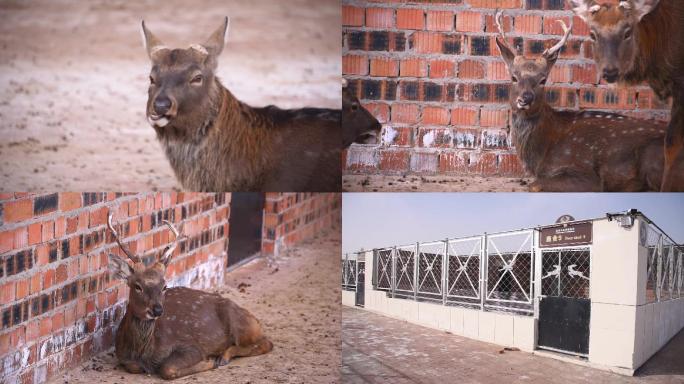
[{"x": 379, "y": 349}]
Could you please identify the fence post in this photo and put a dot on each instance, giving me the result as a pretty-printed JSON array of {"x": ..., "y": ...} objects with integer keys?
[
  {"x": 445, "y": 271},
  {"x": 659, "y": 268},
  {"x": 483, "y": 270},
  {"x": 416, "y": 260},
  {"x": 394, "y": 269},
  {"x": 538, "y": 263}
]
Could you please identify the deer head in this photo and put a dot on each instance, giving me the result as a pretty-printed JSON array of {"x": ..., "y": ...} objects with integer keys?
[
  {"x": 359, "y": 125},
  {"x": 181, "y": 80},
  {"x": 614, "y": 32},
  {"x": 147, "y": 284},
  {"x": 528, "y": 75}
]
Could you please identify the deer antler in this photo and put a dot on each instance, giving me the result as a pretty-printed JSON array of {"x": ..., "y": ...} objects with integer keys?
[
  {"x": 499, "y": 25},
  {"x": 551, "y": 51},
  {"x": 128, "y": 253},
  {"x": 166, "y": 257}
]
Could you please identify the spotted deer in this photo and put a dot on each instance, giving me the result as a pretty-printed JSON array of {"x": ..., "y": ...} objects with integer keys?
[
  {"x": 215, "y": 142},
  {"x": 577, "y": 151},
  {"x": 358, "y": 125},
  {"x": 177, "y": 331},
  {"x": 643, "y": 40}
]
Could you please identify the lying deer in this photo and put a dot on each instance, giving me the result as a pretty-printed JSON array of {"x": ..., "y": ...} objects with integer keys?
[
  {"x": 358, "y": 125},
  {"x": 643, "y": 40},
  {"x": 215, "y": 142},
  {"x": 178, "y": 331},
  {"x": 577, "y": 151}
]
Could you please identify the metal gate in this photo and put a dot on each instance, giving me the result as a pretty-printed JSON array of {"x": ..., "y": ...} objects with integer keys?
[
  {"x": 360, "y": 279},
  {"x": 564, "y": 305},
  {"x": 246, "y": 217}
]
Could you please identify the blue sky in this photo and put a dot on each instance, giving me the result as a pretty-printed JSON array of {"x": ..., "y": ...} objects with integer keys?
[{"x": 373, "y": 220}]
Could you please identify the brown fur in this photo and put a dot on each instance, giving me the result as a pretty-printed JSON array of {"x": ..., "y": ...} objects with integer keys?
[
  {"x": 654, "y": 54},
  {"x": 179, "y": 331},
  {"x": 358, "y": 125},
  {"x": 215, "y": 142}
]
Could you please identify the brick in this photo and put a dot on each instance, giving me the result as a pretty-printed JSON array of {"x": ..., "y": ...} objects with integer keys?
[
  {"x": 18, "y": 210},
  {"x": 60, "y": 227},
  {"x": 69, "y": 201},
  {"x": 480, "y": 46},
  {"x": 47, "y": 231},
  {"x": 98, "y": 217},
  {"x": 34, "y": 233},
  {"x": 405, "y": 113},
  {"x": 45, "y": 204},
  {"x": 586, "y": 73},
  {"x": 7, "y": 292},
  {"x": 413, "y": 68},
  {"x": 493, "y": 117},
  {"x": 352, "y": 16},
  {"x": 384, "y": 67},
  {"x": 426, "y": 42},
  {"x": 22, "y": 288},
  {"x": 528, "y": 24},
  {"x": 471, "y": 69},
  {"x": 435, "y": 116},
  {"x": 381, "y": 111},
  {"x": 469, "y": 22},
  {"x": 379, "y": 17},
  {"x": 394, "y": 160},
  {"x": 424, "y": 162},
  {"x": 6, "y": 241},
  {"x": 495, "y": 4},
  {"x": 434, "y": 138},
  {"x": 440, "y": 21},
  {"x": 354, "y": 65},
  {"x": 410, "y": 18},
  {"x": 48, "y": 278},
  {"x": 397, "y": 136},
  {"x": 464, "y": 116},
  {"x": 497, "y": 70},
  {"x": 553, "y": 27}
]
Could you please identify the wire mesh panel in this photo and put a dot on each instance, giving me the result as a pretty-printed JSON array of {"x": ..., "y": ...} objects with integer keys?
[
  {"x": 509, "y": 271},
  {"x": 349, "y": 274},
  {"x": 404, "y": 269},
  {"x": 565, "y": 273},
  {"x": 666, "y": 283},
  {"x": 430, "y": 269},
  {"x": 680, "y": 273},
  {"x": 384, "y": 270},
  {"x": 463, "y": 271},
  {"x": 654, "y": 245}
]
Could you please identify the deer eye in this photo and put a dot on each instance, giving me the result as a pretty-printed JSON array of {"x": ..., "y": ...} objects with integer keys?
[
  {"x": 514, "y": 79},
  {"x": 165, "y": 287},
  {"x": 138, "y": 287},
  {"x": 151, "y": 80},
  {"x": 196, "y": 80},
  {"x": 354, "y": 107},
  {"x": 592, "y": 35},
  {"x": 628, "y": 33},
  {"x": 542, "y": 81}
]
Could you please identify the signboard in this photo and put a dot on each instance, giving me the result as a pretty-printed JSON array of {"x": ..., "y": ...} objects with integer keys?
[{"x": 565, "y": 235}]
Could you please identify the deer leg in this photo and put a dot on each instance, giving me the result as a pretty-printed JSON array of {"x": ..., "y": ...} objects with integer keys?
[
  {"x": 259, "y": 348},
  {"x": 133, "y": 367},
  {"x": 185, "y": 362},
  {"x": 674, "y": 141},
  {"x": 565, "y": 183}
]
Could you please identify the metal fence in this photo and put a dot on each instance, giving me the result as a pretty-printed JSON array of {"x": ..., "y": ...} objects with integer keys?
[
  {"x": 349, "y": 272},
  {"x": 665, "y": 267}
]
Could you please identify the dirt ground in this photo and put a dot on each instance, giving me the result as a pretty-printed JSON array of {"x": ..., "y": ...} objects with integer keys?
[
  {"x": 379, "y": 349},
  {"x": 297, "y": 300},
  {"x": 74, "y": 78},
  {"x": 412, "y": 183}
]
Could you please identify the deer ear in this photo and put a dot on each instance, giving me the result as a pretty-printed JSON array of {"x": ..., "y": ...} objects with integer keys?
[
  {"x": 217, "y": 40},
  {"x": 583, "y": 8},
  {"x": 641, "y": 7},
  {"x": 151, "y": 42},
  {"x": 119, "y": 267},
  {"x": 506, "y": 53}
]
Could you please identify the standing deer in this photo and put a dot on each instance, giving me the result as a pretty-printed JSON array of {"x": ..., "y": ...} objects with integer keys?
[
  {"x": 643, "y": 40},
  {"x": 577, "y": 151},
  {"x": 215, "y": 142},
  {"x": 358, "y": 125},
  {"x": 178, "y": 331}
]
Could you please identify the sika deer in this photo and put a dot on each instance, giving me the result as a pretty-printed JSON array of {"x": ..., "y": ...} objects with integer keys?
[
  {"x": 358, "y": 125},
  {"x": 215, "y": 142},
  {"x": 577, "y": 151},
  {"x": 643, "y": 40},
  {"x": 178, "y": 331}
]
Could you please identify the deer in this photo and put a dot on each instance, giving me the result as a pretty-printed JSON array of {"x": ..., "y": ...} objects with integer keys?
[
  {"x": 358, "y": 124},
  {"x": 577, "y": 151},
  {"x": 643, "y": 40},
  {"x": 215, "y": 142},
  {"x": 177, "y": 331}
]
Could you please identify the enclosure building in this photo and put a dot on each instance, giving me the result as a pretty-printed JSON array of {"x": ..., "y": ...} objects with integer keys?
[{"x": 606, "y": 292}]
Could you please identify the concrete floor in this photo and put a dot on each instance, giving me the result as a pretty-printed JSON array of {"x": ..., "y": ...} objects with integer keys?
[{"x": 379, "y": 349}]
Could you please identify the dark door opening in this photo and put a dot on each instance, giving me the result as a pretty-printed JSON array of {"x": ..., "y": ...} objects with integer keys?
[
  {"x": 565, "y": 307},
  {"x": 246, "y": 219},
  {"x": 360, "y": 279}
]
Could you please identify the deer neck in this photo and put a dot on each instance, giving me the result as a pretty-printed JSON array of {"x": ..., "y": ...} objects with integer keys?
[
  {"x": 531, "y": 133},
  {"x": 138, "y": 335}
]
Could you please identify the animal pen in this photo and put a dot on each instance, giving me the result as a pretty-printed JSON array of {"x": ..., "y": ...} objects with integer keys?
[{"x": 608, "y": 291}]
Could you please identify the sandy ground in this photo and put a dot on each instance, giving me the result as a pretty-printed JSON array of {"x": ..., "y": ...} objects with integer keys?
[
  {"x": 299, "y": 308},
  {"x": 412, "y": 183},
  {"x": 74, "y": 77},
  {"x": 378, "y": 349}
]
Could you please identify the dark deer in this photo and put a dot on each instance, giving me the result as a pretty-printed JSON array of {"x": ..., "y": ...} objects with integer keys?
[
  {"x": 643, "y": 40},
  {"x": 178, "y": 331},
  {"x": 577, "y": 151},
  {"x": 215, "y": 142},
  {"x": 358, "y": 125}
]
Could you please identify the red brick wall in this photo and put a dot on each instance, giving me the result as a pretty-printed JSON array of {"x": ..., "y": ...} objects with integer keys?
[
  {"x": 58, "y": 305},
  {"x": 290, "y": 218},
  {"x": 430, "y": 71}
]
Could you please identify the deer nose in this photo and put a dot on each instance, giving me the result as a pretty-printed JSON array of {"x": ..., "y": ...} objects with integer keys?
[
  {"x": 526, "y": 98},
  {"x": 157, "y": 310},
  {"x": 162, "y": 105},
  {"x": 610, "y": 74}
]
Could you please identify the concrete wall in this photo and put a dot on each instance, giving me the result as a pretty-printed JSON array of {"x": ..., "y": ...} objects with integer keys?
[
  {"x": 503, "y": 329},
  {"x": 349, "y": 298}
]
